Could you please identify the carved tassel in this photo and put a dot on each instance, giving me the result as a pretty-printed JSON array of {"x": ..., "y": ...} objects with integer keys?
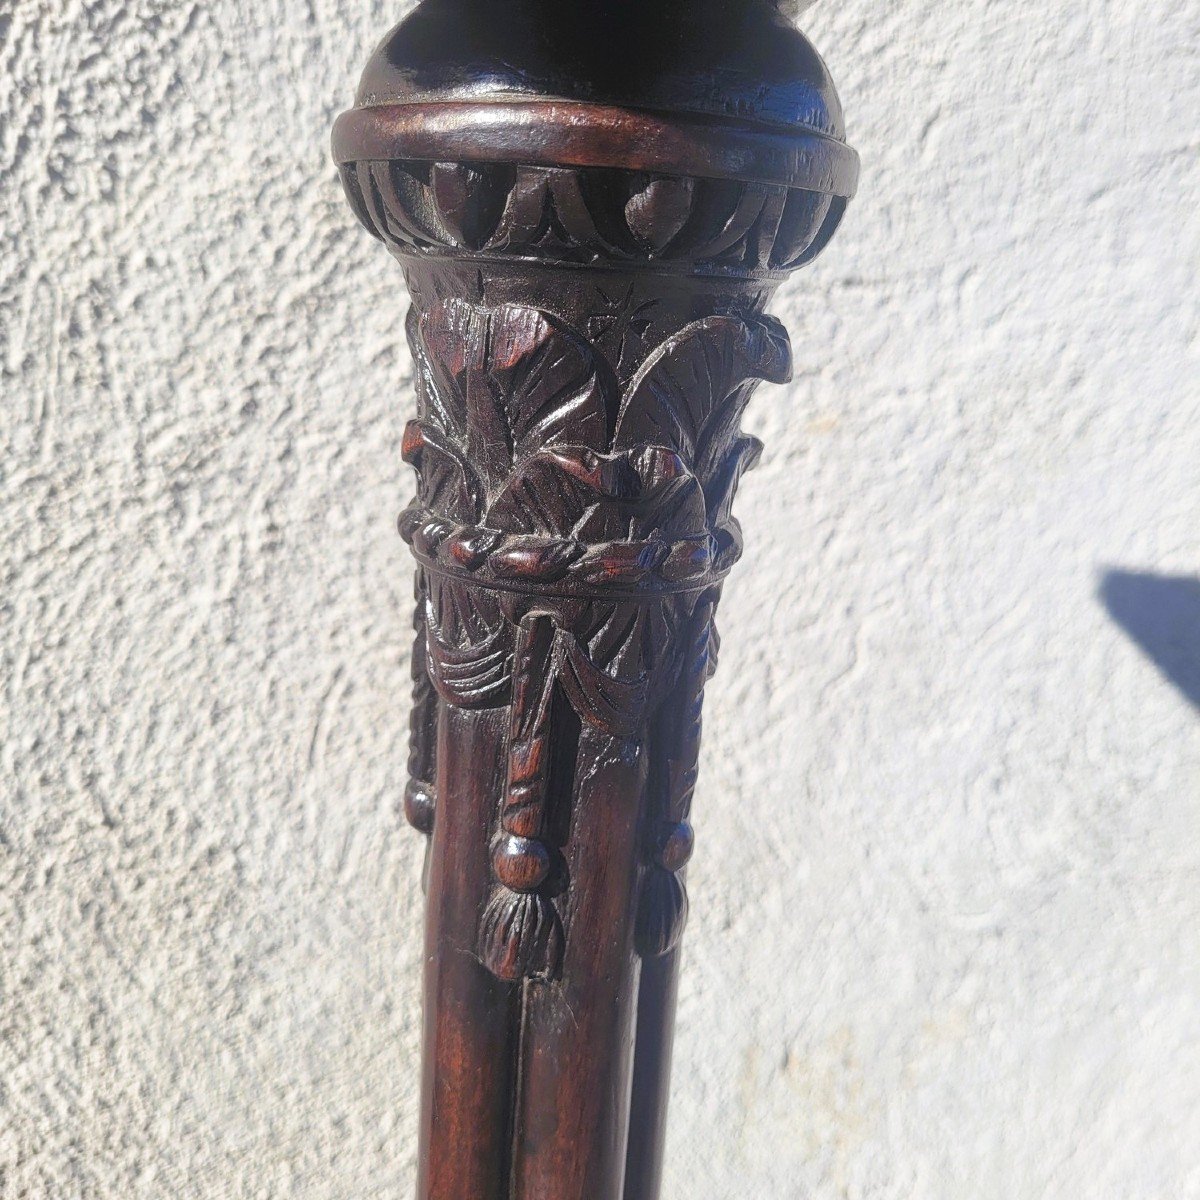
[
  {"x": 521, "y": 932},
  {"x": 663, "y": 908}
]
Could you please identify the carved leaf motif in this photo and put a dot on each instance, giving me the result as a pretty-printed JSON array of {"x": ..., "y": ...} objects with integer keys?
[
  {"x": 573, "y": 491},
  {"x": 658, "y": 209},
  {"x": 673, "y": 503},
  {"x": 440, "y": 339},
  {"x": 568, "y": 214},
  {"x": 684, "y": 382},
  {"x": 721, "y": 480},
  {"x": 574, "y": 216},
  {"x": 548, "y": 210},
  {"x": 802, "y": 219},
  {"x": 550, "y": 379},
  {"x": 736, "y": 223},
  {"x": 526, "y": 214},
  {"x": 470, "y": 198},
  {"x": 448, "y": 485},
  {"x": 502, "y": 383},
  {"x": 402, "y": 187},
  {"x": 714, "y": 650},
  {"x": 352, "y": 186},
  {"x": 551, "y": 491},
  {"x": 460, "y": 398}
]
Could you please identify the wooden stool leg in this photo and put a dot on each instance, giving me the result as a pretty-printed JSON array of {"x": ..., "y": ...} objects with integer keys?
[
  {"x": 470, "y": 1016},
  {"x": 651, "y": 1077},
  {"x": 577, "y": 1039},
  {"x": 592, "y": 204}
]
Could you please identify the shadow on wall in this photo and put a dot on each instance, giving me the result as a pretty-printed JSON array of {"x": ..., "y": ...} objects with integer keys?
[{"x": 1162, "y": 614}]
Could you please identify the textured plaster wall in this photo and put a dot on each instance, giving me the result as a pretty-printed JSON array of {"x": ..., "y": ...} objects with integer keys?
[{"x": 945, "y": 939}]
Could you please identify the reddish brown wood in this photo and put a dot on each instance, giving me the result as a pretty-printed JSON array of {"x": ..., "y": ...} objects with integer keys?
[
  {"x": 470, "y": 1017},
  {"x": 592, "y": 204},
  {"x": 657, "y": 991},
  {"x": 592, "y": 135}
]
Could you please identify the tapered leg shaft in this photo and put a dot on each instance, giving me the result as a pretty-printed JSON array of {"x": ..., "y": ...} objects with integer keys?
[
  {"x": 577, "y": 1048},
  {"x": 651, "y": 1076},
  {"x": 470, "y": 1017}
]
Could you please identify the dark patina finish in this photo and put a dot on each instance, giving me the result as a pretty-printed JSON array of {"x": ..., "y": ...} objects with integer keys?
[{"x": 592, "y": 203}]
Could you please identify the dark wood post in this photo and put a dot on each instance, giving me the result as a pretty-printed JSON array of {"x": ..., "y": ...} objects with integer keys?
[{"x": 592, "y": 202}]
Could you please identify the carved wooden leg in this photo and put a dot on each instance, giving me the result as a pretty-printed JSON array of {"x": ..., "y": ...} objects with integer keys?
[{"x": 592, "y": 204}]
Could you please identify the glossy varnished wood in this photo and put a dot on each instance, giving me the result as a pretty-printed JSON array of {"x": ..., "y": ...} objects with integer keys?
[
  {"x": 592, "y": 204},
  {"x": 590, "y": 135},
  {"x": 470, "y": 1017}
]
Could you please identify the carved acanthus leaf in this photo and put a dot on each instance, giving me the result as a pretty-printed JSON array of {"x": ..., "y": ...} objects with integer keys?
[
  {"x": 684, "y": 383},
  {"x": 505, "y": 383},
  {"x": 573, "y": 214}
]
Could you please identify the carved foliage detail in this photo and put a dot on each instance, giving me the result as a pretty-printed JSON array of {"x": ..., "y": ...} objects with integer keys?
[
  {"x": 536, "y": 467},
  {"x": 573, "y": 533},
  {"x": 580, "y": 214}
]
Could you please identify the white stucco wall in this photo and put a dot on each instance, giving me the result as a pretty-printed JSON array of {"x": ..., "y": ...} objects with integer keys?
[{"x": 945, "y": 936}]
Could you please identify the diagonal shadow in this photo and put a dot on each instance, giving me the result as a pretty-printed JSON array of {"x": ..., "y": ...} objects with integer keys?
[{"x": 1162, "y": 614}]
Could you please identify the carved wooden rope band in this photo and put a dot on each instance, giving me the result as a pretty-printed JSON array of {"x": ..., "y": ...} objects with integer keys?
[
  {"x": 548, "y": 566},
  {"x": 564, "y": 567}
]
